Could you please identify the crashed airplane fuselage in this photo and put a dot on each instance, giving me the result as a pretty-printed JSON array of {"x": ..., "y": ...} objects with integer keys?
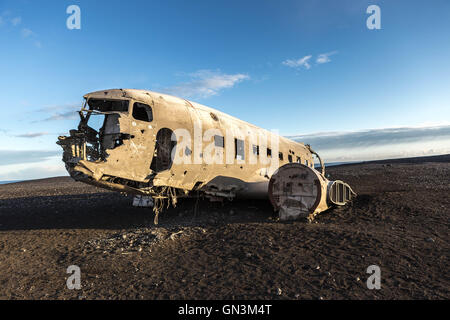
[{"x": 151, "y": 144}]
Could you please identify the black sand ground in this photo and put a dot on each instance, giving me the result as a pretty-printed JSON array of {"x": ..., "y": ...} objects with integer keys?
[{"x": 400, "y": 222}]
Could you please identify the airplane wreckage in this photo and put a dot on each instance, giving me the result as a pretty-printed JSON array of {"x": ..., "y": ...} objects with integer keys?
[{"x": 160, "y": 148}]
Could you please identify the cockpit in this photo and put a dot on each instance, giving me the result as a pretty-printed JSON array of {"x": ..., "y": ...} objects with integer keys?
[{"x": 102, "y": 125}]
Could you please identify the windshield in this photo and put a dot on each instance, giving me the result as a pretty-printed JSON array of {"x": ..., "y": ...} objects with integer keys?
[{"x": 108, "y": 105}]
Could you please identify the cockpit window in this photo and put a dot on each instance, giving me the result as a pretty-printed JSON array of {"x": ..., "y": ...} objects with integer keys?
[
  {"x": 108, "y": 105},
  {"x": 142, "y": 112}
]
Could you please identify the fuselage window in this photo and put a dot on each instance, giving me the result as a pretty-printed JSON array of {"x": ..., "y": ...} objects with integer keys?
[
  {"x": 219, "y": 141},
  {"x": 256, "y": 150},
  {"x": 239, "y": 148},
  {"x": 142, "y": 112}
]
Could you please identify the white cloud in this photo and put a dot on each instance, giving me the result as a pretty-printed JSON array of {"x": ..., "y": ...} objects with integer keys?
[
  {"x": 31, "y": 135},
  {"x": 64, "y": 112},
  {"x": 51, "y": 167},
  {"x": 375, "y": 144},
  {"x": 206, "y": 83},
  {"x": 324, "y": 57},
  {"x": 69, "y": 115},
  {"x": 5, "y": 17},
  {"x": 16, "y": 21},
  {"x": 302, "y": 62},
  {"x": 27, "y": 32},
  {"x": 305, "y": 61},
  {"x": 15, "y": 157}
]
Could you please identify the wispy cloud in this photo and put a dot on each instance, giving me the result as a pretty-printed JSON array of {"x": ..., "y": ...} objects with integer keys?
[
  {"x": 7, "y": 19},
  {"x": 65, "y": 112},
  {"x": 69, "y": 115},
  {"x": 206, "y": 83},
  {"x": 50, "y": 167},
  {"x": 377, "y": 144},
  {"x": 32, "y": 135},
  {"x": 27, "y": 33},
  {"x": 16, "y": 21},
  {"x": 305, "y": 63},
  {"x": 8, "y": 157},
  {"x": 298, "y": 63},
  {"x": 325, "y": 57}
]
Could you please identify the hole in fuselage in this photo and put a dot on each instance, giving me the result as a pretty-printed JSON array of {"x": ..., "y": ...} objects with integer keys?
[{"x": 162, "y": 158}]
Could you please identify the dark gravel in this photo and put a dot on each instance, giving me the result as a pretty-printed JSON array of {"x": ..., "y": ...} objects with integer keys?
[{"x": 400, "y": 222}]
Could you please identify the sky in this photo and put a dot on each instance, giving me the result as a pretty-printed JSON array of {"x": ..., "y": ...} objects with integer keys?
[{"x": 310, "y": 69}]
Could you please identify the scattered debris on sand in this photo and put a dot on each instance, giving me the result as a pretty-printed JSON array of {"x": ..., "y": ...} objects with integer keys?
[{"x": 140, "y": 239}]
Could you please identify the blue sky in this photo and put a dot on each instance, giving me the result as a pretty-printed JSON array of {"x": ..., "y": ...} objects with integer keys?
[{"x": 303, "y": 67}]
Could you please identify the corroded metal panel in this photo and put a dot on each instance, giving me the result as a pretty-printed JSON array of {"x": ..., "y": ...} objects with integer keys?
[{"x": 152, "y": 144}]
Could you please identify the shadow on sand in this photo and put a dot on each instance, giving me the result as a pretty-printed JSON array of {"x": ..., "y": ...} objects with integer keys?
[{"x": 114, "y": 211}]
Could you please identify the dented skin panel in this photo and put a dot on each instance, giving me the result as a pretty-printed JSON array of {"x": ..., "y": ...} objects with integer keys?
[
  {"x": 296, "y": 190},
  {"x": 132, "y": 159},
  {"x": 127, "y": 166}
]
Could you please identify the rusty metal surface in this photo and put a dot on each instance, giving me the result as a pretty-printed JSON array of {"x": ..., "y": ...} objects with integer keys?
[
  {"x": 139, "y": 133},
  {"x": 297, "y": 191}
]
